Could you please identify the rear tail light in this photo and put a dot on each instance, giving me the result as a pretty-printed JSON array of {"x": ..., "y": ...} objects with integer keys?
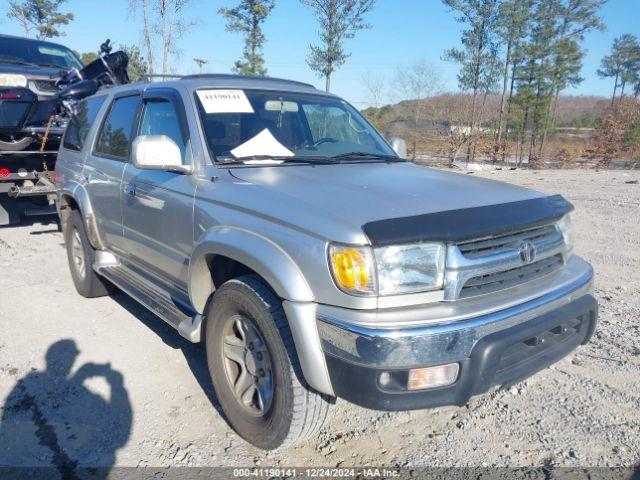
[
  {"x": 10, "y": 96},
  {"x": 4, "y": 172}
]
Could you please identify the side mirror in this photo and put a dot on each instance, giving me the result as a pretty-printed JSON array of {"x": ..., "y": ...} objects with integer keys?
[
  {"x": 399, "y": 146},
  {"x": 157, "y": 152}
]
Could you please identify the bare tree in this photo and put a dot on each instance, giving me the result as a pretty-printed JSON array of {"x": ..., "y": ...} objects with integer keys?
[
  {"x": 374, "y": 89},
  {"x": 163, "y": 23},
  {"x": 374, "y": 86},
  {"x": 417, "y": 82}
]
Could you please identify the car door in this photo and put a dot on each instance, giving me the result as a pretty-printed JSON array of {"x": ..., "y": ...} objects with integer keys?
[
  {"x": 105, "y": 166},
  {"x": 157, "y": 205}
]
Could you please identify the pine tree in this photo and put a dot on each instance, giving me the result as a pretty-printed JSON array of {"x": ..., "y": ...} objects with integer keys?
[
  {"x": 512, "y": 27},
  {"x": 247, "y": 18},
  {"x": 478, "y": 60},
  {"x": 549, "y": 60},
  {"x": 42, "y": 15},
  {"x": 339, "y": 20},
  {"x": 623, "y": 63},
  {"x": 576, "y": 18}
]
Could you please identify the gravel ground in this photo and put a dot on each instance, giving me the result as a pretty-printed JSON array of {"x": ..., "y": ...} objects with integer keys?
[{"x": 134, "y": 393}]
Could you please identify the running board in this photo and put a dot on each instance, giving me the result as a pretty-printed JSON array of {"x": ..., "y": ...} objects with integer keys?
[{"x": 156, "y": 300}]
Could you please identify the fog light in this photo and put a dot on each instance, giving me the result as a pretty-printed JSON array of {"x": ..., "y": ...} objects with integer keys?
[
  {"x": 384, "y": 379},
  {"x": 432, "y": 377}
]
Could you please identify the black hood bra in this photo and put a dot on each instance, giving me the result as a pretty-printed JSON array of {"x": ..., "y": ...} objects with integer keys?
[{"x": 454, "y": 226}]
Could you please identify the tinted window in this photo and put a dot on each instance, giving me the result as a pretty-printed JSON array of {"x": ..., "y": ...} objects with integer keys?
[
  {"x": 115, "y": 134},
  {"x": 159, "y": 117},
  {"x": 81, "y": 122}
]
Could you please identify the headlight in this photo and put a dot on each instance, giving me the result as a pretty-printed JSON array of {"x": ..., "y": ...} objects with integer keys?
[
  {"x": 10, "y": 80},
  {"x": 398, "y": 269},
  {"x": 564, "y": 225},
  {"x": 410, "y": 268},
  {"x": 352, "y": 269}
]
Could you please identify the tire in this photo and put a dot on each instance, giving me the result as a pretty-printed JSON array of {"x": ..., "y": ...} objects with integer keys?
[
  {"x": 15, "y": 146},
  {"x": 81, "y": 256},
  {"x": 293, "y": 411}
]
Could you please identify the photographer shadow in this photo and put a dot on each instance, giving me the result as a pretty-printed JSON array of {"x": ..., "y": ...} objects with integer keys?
[{"x": 52, "y": 421}]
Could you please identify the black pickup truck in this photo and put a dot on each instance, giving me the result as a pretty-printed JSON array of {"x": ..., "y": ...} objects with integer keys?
[
  {"x": 29, "y": 72},
  {"x": 41, "y": 84}
]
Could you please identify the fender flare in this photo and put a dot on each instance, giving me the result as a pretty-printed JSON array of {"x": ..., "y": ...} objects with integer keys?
[
  {"x": 79, "y": 194},
  {"x": 253, "y": 250},
  {"x": 281, "y": 272}
]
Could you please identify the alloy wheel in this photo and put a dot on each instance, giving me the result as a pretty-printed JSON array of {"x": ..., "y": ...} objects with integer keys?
[
  {"x": 77, "y": 252},
  {"x": 247, "y": 364}
]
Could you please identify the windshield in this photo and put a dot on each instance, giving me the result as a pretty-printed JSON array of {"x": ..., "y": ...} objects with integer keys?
[
  {"x": 43, "y": 54},
  {"x": 263, "y": 124}
]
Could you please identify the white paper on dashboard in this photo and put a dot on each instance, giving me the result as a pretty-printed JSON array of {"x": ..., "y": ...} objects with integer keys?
[
  {"x": 225, "y": 101},
  {"x": 263, "y": 143}
]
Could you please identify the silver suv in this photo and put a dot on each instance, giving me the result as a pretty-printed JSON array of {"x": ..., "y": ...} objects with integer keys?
[{"x": 273, "y": 223}]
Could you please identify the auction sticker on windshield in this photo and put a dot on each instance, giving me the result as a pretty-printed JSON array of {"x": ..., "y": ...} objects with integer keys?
[{"x": 224, "y": 101}]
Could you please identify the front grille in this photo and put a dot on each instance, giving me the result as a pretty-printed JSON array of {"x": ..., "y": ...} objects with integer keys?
[
  {"x": 491, "y": 246},
  {"x": 493, "y": 282},
  {"x": 45, "y": 85}
]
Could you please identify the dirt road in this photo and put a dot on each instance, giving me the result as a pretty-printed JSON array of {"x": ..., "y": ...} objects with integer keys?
[{"x": 120, "y": 380}]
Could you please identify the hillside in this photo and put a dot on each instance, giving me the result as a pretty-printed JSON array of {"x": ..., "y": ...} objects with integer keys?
[{"x": 453, "y": 108}]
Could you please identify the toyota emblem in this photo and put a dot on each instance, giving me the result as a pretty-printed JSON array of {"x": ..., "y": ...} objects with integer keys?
[{"x": 527, "y": 252}]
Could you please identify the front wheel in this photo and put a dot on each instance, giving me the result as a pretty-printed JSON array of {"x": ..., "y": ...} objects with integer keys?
[{"x": 254, "y": 367}]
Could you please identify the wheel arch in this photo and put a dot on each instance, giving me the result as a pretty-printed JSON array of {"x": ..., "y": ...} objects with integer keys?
[
  {"x": 74, "y": 195},
  {"x": 252, "y": 251}
]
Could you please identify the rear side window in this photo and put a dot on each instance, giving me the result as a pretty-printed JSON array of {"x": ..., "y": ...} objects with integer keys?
[
  {"x": 80, "y": 124},
  {"x": 115, "y": 135}
]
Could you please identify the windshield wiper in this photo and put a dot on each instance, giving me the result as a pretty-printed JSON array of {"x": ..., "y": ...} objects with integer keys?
[
  {"x": 32, "y": 64},
  {"x": 18, "y": 62},
  {"x": 363, "y": 155},
  {"x": 55, "y": 65}
]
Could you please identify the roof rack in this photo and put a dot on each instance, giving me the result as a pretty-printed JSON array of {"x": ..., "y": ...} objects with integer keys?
[
  {"x": 147, "y": 77},
  {"x": 229, "y": 76}
]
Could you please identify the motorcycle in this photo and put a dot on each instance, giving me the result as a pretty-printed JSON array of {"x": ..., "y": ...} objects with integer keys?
[{"x": 43, "y": 122}]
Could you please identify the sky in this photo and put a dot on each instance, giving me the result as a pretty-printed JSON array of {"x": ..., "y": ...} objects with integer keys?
[{"x": 404, "y": 32}]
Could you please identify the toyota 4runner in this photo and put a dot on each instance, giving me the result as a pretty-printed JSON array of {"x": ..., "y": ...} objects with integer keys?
[{"x": 273, "y": 223}]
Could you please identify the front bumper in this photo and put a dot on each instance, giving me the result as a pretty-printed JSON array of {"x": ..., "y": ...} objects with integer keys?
[{"x": 496, "y": 348}]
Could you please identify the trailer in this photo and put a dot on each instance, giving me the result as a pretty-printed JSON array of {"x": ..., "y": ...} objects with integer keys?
[{"x": 27, "y": 185}]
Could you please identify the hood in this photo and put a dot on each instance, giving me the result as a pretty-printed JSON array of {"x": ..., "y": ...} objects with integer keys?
[
  {"x": 30, "y": 71},
  {"x": 335, "y": 201}
]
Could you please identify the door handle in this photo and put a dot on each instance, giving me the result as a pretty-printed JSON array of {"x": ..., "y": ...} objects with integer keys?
[{"x": 130, "y": 189}]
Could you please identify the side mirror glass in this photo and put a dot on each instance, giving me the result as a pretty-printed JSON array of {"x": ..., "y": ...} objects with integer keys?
[
  {"x": 157, "y": 152},
  {"x": 399, "y": 146}
]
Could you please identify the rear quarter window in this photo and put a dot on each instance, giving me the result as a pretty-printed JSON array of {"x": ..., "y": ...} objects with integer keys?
[{"x": 80, "y": 124}]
